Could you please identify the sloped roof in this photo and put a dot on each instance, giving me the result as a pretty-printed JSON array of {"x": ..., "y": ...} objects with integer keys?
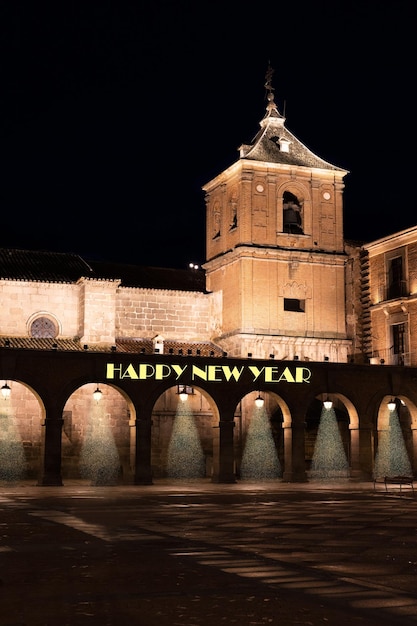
[
  {"x": 266, "y": 145},
  {"x": 58, "y": 267},
  {"x": 121, "y": 345},
  {"x": 151, "y": 277},
  {"x": 42, "y": 266}
]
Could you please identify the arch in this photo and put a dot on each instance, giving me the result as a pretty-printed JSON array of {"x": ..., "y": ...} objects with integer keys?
[
  {"x": 92, "y": 427},
  {"x": 300, "y": 196},
  {"x": 43, "y": 324},
  {"x": 25, "y": 411}
]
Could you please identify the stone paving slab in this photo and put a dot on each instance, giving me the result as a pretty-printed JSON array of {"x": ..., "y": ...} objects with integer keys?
[{"x": 178, "y": 554}]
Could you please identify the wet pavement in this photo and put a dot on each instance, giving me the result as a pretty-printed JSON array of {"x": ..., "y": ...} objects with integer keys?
[{"x": 199, "y": 554}]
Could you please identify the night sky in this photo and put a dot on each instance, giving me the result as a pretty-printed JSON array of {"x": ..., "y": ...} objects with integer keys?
[{"x": 115, "y": 114}]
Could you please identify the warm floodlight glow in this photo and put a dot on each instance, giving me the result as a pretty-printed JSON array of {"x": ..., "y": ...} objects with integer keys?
[
  {"x": 5, "y": 391},
  {"x": 392, "y": 405},
  {"x": 259, "y": 401},
  {"x": 183, "y": 395},
  {"x": 97, "y": 395}
]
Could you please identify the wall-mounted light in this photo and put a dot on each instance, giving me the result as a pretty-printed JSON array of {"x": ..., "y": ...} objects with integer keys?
[
  {"x": 6, "y": 391},
  {"x": 391, "y": 405},
  {"x": 259, "y": 401},
  {"x": 97, "y": 395}
]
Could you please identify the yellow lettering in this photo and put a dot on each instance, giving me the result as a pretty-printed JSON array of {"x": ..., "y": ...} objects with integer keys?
[
  {"x": 179, "y": 370},
  {"x": 286, "y": 375},
  {"x": 198, "y": 372},
  {"x": 213, "y": 371},
  {"x": 229, "y": 373},
  {"x": 302, "y": 375},
  {"x": 256, "y": 371},
  {"x": 129, "y": 372},
  {"x": 111, "y": 369},
  {"x": 146, "y": 371},
  {"x": 271, "y": 373},
  {"x": 162, "y": 371}
]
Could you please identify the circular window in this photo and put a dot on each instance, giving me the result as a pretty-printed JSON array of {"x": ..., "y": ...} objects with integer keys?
[{"x": 43, "y": 327}]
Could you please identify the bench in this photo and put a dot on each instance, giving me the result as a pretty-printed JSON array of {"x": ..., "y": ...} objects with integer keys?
[{"x": 395, "y": 480}]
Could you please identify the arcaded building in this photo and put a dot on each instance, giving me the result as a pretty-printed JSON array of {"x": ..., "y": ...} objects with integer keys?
[{"x": 284, "y": 308}]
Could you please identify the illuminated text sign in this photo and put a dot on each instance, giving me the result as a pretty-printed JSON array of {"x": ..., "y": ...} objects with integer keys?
[{"x": 208, "y": 373}]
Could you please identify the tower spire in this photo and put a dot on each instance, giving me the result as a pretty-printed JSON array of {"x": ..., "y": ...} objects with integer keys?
[{"x": 271, "y": 108}]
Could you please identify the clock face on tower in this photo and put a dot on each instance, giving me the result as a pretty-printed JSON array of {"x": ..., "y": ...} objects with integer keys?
[
  {"x": 259, "y": 188},
  {"x": 326, "y": 195}
]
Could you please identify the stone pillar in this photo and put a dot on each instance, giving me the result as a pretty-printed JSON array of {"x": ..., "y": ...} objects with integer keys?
[
  {"x": 366, "y": 453},
  {"x": 143, "y": 469},
  {"x": 52, "y": 450},
  {"x": 354, "y": 461},
  {"x": 223, "y": 453},
  {"x": 414, "y": 451},
  {"x": 294, "y": 453}
]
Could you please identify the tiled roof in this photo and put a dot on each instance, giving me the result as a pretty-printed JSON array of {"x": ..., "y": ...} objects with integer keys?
[
  {"x": 123, "y": 345},
  {"x": 151, "y": 277},
  {"x": 57, "y": 267},
  {"x": 42, "y": 266}
]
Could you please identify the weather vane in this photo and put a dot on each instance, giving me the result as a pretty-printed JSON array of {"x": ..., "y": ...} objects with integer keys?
[{"x": 268, "y": 86}]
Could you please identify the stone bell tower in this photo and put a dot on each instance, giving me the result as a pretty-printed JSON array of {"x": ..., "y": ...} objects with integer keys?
[{"x": 274, "y": 248}]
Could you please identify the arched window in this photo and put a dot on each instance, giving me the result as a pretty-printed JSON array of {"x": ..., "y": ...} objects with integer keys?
[
  {"x": 292, "y": 214},
  {"x": 43, "y": 327}
]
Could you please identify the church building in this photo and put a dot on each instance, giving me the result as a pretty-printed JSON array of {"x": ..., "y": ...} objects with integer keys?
[{"x": 101, "y": 362}]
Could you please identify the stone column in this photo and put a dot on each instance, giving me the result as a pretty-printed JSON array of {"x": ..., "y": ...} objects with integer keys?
[
  {"x": 52, "y": 450},
  {"x": 354, "y": 465},
  {"x": 294, "y": 453},
  {"x": 223, "y": 453},
  {"x": 366, "y": 452},
  {"x": 414, "y": 451},
  {"x": 143, "y": 469}
]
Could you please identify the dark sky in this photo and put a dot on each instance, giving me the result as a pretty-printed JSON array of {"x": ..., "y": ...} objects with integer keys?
[{"x": 114, "y": 114}]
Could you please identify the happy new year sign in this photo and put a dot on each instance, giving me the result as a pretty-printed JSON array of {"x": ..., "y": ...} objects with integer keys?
[{"x": 208, "y": 373}]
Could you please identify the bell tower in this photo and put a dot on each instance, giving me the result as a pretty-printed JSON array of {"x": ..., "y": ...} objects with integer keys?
[{"x": 274, "y": 248}]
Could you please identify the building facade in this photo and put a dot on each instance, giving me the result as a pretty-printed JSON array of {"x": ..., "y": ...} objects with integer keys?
[{"x": 284, "y": 307}]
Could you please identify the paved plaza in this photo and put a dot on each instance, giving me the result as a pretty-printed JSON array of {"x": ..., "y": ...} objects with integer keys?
[{"x": 200, "y": 554}]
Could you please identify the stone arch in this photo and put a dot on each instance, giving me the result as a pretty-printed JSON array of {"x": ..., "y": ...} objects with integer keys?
[{"x": 43, "y": 324}]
